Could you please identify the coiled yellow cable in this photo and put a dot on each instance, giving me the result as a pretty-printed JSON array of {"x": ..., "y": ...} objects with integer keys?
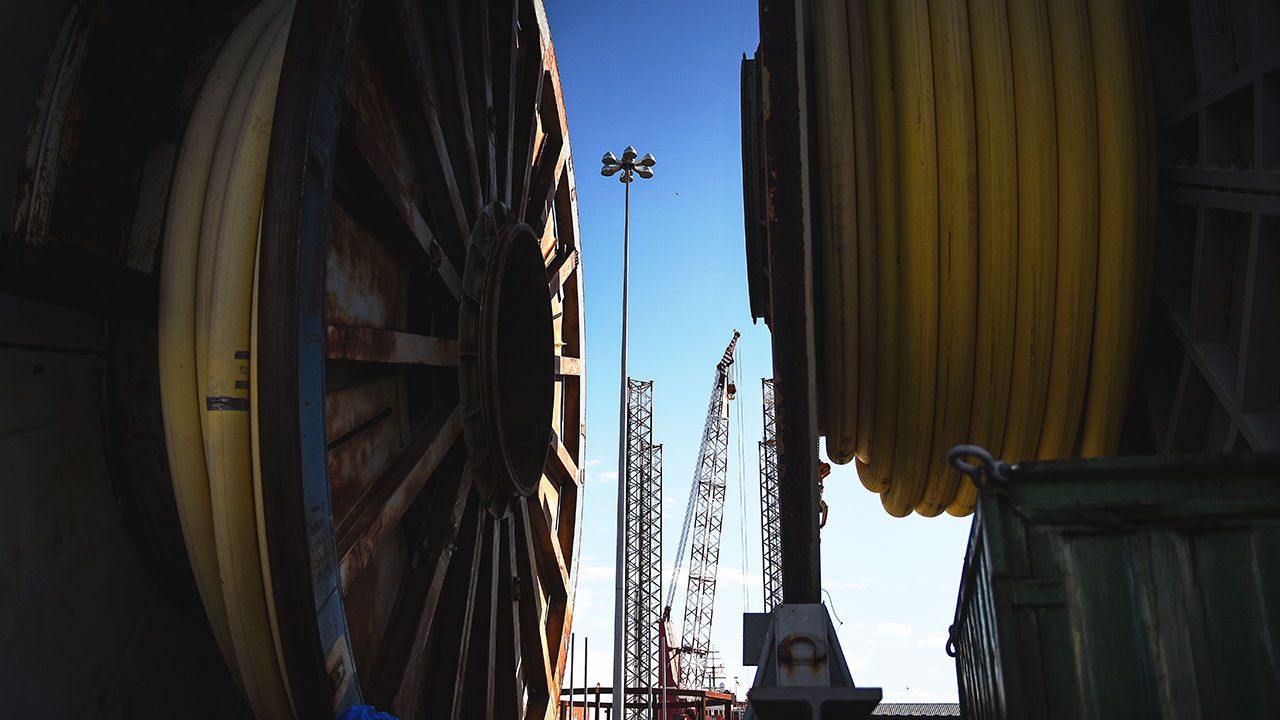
[
  {"x": 957, "y": 246},
  {"x": 207, "y": 287},
  {"x": 993, "y": 233},
  {"x": 875, "y": 466}
]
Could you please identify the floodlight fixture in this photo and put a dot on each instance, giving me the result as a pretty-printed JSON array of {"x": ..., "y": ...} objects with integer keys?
[{"x": 628, "y": 165}]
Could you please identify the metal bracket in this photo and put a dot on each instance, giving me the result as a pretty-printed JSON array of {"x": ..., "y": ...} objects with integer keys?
[{"x": 801, "y": 669}]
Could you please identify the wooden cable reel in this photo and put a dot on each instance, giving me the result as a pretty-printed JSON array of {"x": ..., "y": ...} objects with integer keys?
[
  {"x": 375, "y": 428},
  {"x": 980, "y": 224}
]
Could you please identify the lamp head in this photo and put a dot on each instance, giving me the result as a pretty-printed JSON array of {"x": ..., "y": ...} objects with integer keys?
[
  {"x": 610, "y": 170},
  {"x": 629, "y": 154},
  {"x": 648, "y": 160},
  {"x": 608, "y": 159},
  {"x": 644, "y": 172}
]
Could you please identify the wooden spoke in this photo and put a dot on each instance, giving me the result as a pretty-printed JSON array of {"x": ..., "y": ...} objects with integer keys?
[
  {"x": 528, "y": 97},
  {"x": 432, "y": 100},
  {"x": 560, "y": 464},
  {"x": 551, "y": 157},
  {"x": 382, "y": 508},
  {"x": 560, "y": 622},
  {"x": 479, "y": 52},
  {"x": 560, "y": 270},
  {"x": 414, "y": 621},
  {"x": 375, "y": 345},
  {"x": 566, "y": 530},
  {"x": 468, "y": 622},
  {"x": 445, "y": 38},
  {"x": 551, "y": 562},
  {"x": 450, "y": 637},
  {"x": 533, "y": 637},
  {"x": 470, "y": 691},
  {"x": 504, "y": 33},
  {"x": 568, "y": 366},
  {"x": 427, "y": 250},
  {"x": 551, "y": 567},
  {"x": 509, "y": 668},
  {"x": 491, "y": 696}
]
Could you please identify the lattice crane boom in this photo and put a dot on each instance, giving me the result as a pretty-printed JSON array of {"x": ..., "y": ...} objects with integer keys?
[
  {"x": 705, "y": 517},
  {"x": 771, "y": 517}
]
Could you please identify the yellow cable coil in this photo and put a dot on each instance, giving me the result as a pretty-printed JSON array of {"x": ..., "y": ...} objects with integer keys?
[
  {"x": 981, "y": 219},
  {"x": 208, "y": 286}
]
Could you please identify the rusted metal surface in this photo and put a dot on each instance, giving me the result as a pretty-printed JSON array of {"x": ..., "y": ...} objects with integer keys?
[
  {"x": 364, "y": 344},
  {"x": 786, "y": 195},
  {"x": 385, "y": 186},
  {"x": 364, "y": 285},
  {"x": 380, "y": 513}
]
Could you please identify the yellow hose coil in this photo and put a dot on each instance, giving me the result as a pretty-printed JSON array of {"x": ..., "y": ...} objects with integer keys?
[
  {"x": 876, "y": 464},
  {"x": 1077, "y": 226},
  {"x": 981, "y": 218},
  {"x": 996, "y": 186},
  {"x": 207, "y": 314},
  {"x": 838, "y": 268},
  {"x": 957, "y": 245},
  {"x": 177, "y": 328},
  {"x": 917, "y": 268}
]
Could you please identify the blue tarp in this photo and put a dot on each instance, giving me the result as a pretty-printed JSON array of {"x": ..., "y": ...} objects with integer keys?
[{"x": 364, "y": 712}]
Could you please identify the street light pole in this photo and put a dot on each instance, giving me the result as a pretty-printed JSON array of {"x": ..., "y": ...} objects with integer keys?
[{"x": 627, "y": 166}]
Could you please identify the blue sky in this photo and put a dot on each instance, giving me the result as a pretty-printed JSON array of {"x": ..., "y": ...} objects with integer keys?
[{"x": 663, "y": 76}]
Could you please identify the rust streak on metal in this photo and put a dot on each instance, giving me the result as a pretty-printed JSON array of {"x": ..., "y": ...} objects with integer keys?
[
  {"x": 399, "y": 485},
  {"x": 393, "y": 186},
  {"x": 389, "y": 346}
]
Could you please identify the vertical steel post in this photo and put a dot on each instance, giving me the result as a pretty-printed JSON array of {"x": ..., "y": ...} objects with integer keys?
[
  {"x": 787, "y": 125},
  {"x": 619, "y": 598}
]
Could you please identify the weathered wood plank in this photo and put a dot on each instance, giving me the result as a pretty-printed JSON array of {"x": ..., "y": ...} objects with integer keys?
[{"x": 568, "y": 365}]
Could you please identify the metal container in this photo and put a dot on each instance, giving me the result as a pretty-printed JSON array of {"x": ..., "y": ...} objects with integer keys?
[{"x": 1123, "y": 588}]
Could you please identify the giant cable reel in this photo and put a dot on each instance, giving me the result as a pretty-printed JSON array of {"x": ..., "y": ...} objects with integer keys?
[{"x": 371, "y": 341}]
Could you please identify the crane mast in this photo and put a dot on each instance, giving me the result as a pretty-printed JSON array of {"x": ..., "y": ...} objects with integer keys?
[
  {"x": 705, "y": 516},
  {"x": 770, "y": 514}
]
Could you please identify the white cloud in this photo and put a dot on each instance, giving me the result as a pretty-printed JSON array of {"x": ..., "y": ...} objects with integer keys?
[
  {"x": 596, "y": 572},
  {"x": 594, "y": 462},
  {"x": 845, "y": 585},
  {"x": 894, "y": 629},
  {"x": 605, "y": 476},
  {"x": 734, "y": 576},
  {"x": 937, "y": 642}
]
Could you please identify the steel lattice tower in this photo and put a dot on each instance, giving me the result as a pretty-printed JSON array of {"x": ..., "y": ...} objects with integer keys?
[
  {"x": 770, "y": 515},
  {"x": 706, "y": 517},
  {"x": 642, "y": 570}
]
